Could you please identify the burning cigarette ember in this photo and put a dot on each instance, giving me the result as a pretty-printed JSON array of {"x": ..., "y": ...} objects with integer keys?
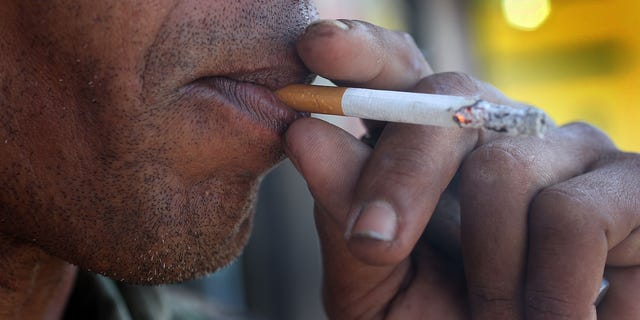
[{"x": 527, "y": 121}]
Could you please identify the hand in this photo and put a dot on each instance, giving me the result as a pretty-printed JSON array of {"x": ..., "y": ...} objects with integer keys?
[
  {"x": 544, "y": 219},
  {"x": 366, "y": 276},
  {"x": 540, "y": 218}
]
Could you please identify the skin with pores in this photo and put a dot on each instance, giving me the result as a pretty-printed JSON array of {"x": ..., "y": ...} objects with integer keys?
[
  {"x": 118, "y": 145},
  {"x": 134, "y": 135}
]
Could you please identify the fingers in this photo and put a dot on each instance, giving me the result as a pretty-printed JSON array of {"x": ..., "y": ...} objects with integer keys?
[
  {"x": 356, "y": 53},
  {"x": 498, "y": 181},
  {"x": 330, "y": 160},
  {"x": 408, "y": 170},
  {"x": 399, "y": 188},
  {"x": 572, "y": 226},
  {"x": 405, "y": 176}
]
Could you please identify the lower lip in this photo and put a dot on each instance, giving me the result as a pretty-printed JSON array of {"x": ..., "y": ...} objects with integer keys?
[{"x": 256, "y": 102}]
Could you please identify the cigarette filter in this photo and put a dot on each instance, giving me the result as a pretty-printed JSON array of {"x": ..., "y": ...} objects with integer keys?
[{"x": 417, "y": 108}]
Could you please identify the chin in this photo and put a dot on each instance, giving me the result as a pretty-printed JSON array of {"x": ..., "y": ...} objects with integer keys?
[
  {"x": 179, "y": 235},
  {"x": 184, "y": 262}
]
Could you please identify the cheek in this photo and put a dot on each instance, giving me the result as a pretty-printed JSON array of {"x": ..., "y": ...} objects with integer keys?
[
  {"x": 199, "y": 140},
  {"x": 156, "y": 200},
  {"x": 179, "y": 203}
]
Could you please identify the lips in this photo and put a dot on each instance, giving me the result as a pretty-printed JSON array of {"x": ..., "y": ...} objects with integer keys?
[{"x": 252, "y": 95}]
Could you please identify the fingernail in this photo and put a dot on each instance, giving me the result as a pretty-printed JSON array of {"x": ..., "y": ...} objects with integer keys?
[
  {"x": 331, "y": 23},
  {"x": 377, "y": 221}
]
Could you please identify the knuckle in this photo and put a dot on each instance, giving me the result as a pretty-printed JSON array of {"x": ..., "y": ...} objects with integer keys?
[
  {"x": 500, "y": 165},
  {"x": 542, "y": 303},
  {"x": 494, "y": 301},
  {"x": 589, "y": 134},
  {"x": 406, "y": 37},
  {"x": 410, "y": 58},
  {"x": 559, "y": 202},
  {"x": 562, "y": 213},
  {"x": 584, "y": 129},
  {"x": 630, "y": 163},
  {"x": 454, "y": 83}
]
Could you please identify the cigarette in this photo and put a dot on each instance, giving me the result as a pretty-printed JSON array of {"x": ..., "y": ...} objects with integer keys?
[{"x": 416, "y": 108}]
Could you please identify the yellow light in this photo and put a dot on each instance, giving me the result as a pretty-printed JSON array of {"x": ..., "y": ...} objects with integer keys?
[{"x": 526, "y": 14}]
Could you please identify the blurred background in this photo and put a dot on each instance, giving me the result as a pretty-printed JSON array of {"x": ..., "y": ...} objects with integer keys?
[{"x": 576, "y": 59}]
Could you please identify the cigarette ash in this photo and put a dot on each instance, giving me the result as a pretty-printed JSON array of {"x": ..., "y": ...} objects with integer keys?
[{"x": 528, "y": 121}]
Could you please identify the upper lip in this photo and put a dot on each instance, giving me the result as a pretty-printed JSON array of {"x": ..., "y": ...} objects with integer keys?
[
  {"x": 250, "y": 90},
  {"x": 269, "y": 73},
  {"x": 273, "y": 78}
]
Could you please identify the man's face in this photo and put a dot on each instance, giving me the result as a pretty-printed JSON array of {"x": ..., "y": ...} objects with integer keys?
[{"x": 135, "y": 132}]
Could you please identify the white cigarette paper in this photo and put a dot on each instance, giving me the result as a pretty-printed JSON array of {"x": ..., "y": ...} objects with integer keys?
[{"x": 416, "y": 108}]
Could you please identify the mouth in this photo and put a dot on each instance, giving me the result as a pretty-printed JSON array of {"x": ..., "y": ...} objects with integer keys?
[{"x": 252, "y": 96}]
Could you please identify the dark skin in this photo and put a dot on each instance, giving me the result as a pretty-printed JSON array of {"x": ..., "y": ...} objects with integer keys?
[
  {"x": 128, "y": 151},
  {"x": 119, "y": 155},
  {"x": 542, "y": 219}
]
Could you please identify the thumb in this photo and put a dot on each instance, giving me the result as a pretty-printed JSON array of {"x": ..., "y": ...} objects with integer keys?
[{"x": 330, "y": 160}]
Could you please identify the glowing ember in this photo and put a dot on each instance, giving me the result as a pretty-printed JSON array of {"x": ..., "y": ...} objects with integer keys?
[
  {"x": 459, "y": 118},
  {"x": 510, "y": 120}
]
